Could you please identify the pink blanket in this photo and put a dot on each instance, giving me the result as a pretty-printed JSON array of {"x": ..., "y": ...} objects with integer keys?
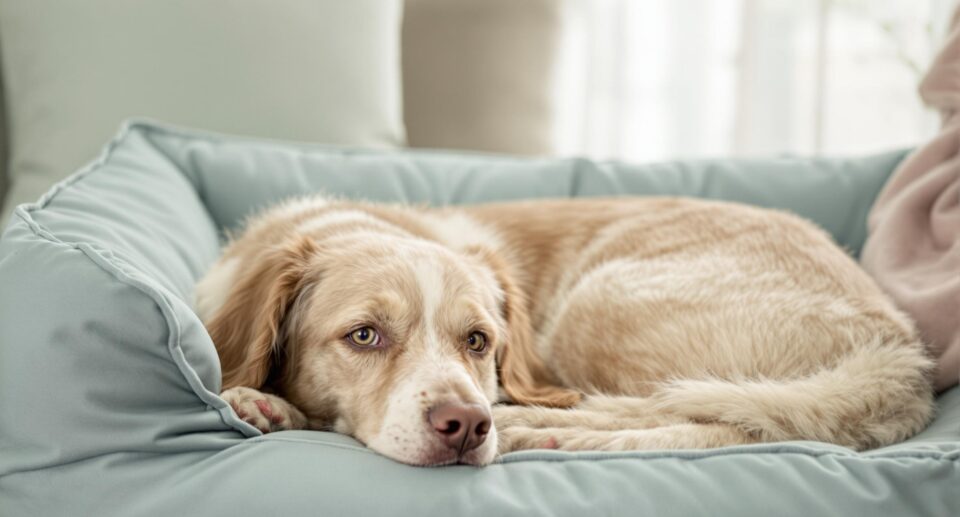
[{"x": 913, "y": 249}]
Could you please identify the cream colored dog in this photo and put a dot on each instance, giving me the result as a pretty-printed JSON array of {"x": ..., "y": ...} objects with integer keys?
[{"x": 687, "y": 324}]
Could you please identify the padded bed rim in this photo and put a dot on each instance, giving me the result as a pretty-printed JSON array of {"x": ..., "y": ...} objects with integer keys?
[{"x": 121, "y": 271}]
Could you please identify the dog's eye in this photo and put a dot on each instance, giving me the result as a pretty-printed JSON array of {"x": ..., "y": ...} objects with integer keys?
[
  {"x": 365, "y": 336},
  {"x": 477, "y": 342}
]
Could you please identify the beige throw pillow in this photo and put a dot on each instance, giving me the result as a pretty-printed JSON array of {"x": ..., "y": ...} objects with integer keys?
[{"x": 482, "y": 74}]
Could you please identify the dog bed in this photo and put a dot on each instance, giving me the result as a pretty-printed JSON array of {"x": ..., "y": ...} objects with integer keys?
[{"x": 109, "y": 382}]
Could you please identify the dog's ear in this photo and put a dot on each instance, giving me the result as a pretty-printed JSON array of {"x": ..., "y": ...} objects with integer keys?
[
  {"x": 248, "y": 328},
  {"x": 521, "y": 371}
]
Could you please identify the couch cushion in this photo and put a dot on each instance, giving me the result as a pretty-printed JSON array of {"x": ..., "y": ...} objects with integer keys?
[
  {"x": 311, "y": 70},
  {"x": 109, "y": 382}
]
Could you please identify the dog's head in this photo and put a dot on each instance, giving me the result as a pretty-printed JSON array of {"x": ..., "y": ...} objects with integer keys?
[{"x": 393, "y": 340}]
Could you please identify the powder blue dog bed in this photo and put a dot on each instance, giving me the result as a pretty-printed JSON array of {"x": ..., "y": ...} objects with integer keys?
[{"x": 109, "y": 382}]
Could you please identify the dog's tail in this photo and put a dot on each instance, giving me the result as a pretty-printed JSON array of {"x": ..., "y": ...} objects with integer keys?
[{"x": 876, "y": 395}]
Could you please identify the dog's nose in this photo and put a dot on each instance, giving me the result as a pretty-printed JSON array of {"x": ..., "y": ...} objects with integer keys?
[{"x": 461, "y": 426}]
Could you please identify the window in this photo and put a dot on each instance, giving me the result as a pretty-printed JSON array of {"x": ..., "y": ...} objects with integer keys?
[{"x": 664, "y": 79}]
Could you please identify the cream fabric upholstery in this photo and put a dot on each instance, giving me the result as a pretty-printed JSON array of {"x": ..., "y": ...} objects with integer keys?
[
  {"x": 479, "y": 74},
  {"x": 311, "y": 70}
]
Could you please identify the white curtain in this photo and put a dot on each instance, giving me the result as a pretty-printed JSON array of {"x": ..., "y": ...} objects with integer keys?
[{"x": 664, "y": 79}]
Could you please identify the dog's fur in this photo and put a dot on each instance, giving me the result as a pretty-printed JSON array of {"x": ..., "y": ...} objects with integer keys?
[{"x": 687, "y": 324}]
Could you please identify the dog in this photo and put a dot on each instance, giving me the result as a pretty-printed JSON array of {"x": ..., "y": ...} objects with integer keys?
[{"x": 604, "y": 324}]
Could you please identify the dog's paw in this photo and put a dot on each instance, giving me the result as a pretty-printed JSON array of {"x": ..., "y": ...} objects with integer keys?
[
  {"x": 264, "y": 411},
  {"x": 670, "y": 437},
  {"x": 568, "y": 439},
  {"x": 535, "y": 416},
  {"x": 520, "y": 438}
]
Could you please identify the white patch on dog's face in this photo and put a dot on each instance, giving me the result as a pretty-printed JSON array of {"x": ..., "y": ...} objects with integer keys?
[
  {"x": 425, "y": 302},
  {"x": 430, "y": 281}
]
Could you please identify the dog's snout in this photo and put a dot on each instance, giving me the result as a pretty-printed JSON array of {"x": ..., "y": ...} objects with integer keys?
[{"x": 460, "y": 426}]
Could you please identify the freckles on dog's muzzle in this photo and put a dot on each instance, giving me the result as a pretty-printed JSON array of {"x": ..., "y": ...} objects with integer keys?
[{"x": 460, "y": 427}]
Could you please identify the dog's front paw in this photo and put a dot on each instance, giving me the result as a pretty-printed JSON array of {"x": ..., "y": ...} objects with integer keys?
[
  {"x": 519, "y": 438},
  {"x": 264, "y": 411}
]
